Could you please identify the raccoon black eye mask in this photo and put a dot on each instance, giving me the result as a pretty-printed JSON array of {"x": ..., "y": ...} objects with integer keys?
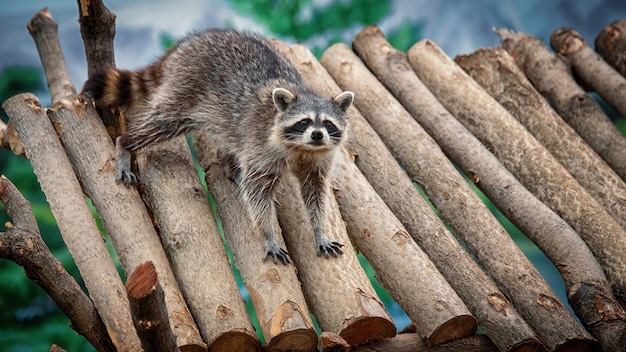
[{"x": 211, "y": 81}]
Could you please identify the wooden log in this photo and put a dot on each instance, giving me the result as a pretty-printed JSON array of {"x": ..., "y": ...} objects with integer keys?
[
  {"x": 424, "y": 161},
  {"x": 77, "y": 225},
  {"x": 172, "y": 189},
  {"x": 495, "y": 70},
  {"x": 123, "y": 214},
  {"x": 22, "y": 243},
  {"x": 546, "y": 71},
  {"x": 396, "y": 189},
  {"x": 611, "y": 44},
  {"x": 56, "y": 348},
  {"x": 97, "y": 28},
  {"x": 605, "y": 238},
  {"x": 590, "y": 67},
  {"x": 400, "y": 264},
  {"x": 274, "y": 290},
  {"x": 43, "y": 29},
  {"x": 147, "y": 303},
  {"x": 510, "y": 142},
  {"x": 345, "y": 301}
]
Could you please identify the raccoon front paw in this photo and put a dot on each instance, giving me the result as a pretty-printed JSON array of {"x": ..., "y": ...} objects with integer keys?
[
  {"x": 328, "y": 248},
  {"x": 126, "y": 177},
  {"x": 277, "y": 254}
]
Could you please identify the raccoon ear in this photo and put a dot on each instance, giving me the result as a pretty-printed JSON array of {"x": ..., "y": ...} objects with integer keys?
[
  {"x": 344, "y": 100},
  {"x": 282, "y": 98}
]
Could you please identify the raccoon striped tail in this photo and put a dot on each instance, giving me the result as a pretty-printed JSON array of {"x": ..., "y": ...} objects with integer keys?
[{"x": 120, "y": 88}]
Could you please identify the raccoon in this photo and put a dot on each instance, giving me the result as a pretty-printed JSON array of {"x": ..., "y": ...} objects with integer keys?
[{"x": 248, "y": 97}]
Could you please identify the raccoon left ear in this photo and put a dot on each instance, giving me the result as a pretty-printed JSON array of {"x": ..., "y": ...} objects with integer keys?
[
  {"x": 282, "y": 98},
  {"x": 344, "y": 100}
]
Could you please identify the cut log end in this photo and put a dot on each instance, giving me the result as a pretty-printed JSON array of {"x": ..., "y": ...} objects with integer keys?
[
  {"x": 576, "y": 345},
  {"x": 367, "y": 329},
  {"x": 529, "y": 345},
  {"x": 142, "y": 281},
  {"x": 456, "y": 328},
  {"x": 294, "y": 340},
  {"x": 243, "y": 340}
]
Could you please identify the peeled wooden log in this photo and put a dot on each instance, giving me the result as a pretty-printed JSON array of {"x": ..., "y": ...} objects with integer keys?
[
  {"x": 603, "y": 235},
  {"x": 587, "y": 287},
  {"x": 423, "y": 160},
  {"x": 590, "y": 67},
  {"x": 547, "y": 71},
  {"x": 76, "y": 224},
  {"x": 147, "y": 302},
  {"x": 123, "y": 214},
  {"x": 22, "y": 243},
  {"x": 485, "y": 300},
  {"x": 274, "y": 289},
  {"x": 189, "y": 234},
  {"x": 611, "y": 44},
  {"x": 339, "y": 292}
]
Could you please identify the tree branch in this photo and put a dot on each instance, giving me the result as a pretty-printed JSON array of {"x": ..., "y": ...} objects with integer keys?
[{"x": 22, "y": 243}]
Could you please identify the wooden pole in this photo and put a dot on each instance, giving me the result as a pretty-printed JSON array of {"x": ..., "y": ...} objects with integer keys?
[
  {"x": 496, "y": 314},
  {"x": 348, "y": 307},
  {"x": 590, "y": 67},
  {"x": 189, "y": 234},
  {"x": 22, "y": 243},
  {"x": 611, "y": 44},
  {"x": 546, "y": 71},
  {"x": 77, "y": 225},
  {"x": 147, "y": 302},
  {"x": 274, "y": 290},
  {"x": 495, "y": 70}
]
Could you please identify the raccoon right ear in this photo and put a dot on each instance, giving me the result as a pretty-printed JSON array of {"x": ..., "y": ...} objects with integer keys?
[
  {"x": 344, "y": 100},
  {"x": 282, "y": 98}
]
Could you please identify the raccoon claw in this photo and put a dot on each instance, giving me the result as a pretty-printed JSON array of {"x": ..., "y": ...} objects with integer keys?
[
  {"x": 128, "y": 178},
  {"x": 333, "y": 248},
  {"x": 277, "y": 254}
]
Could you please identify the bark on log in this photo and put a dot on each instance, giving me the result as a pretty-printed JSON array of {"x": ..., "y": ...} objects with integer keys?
[
  {"x": 10, "y": 139},
  {"x": 485, "y": 300},
  {"x": 611, "y": 44},
  {"x": 495, "y": 70},
  {"x": 147, "y": 303},
  {"x": 605, "y": 238},
  {"x": 424, "y": 161},
  {"x": 590, "y": 67},
  {"x": 77, "y": 226},
  {"x": 274, "y": 289},
  {"x": 43, "y": 29},
  {"x": 123, "y": 214},
  {"x": 547, "y": 71},
  {"x": 400, "y": 264},
  {"x": 22, "y": 243},
  {"x": 172, "y": 189},
  {"x": 97, "y": 28},
  {"x": 339, "y": 292},
  {"x": 412, "y": 343}
]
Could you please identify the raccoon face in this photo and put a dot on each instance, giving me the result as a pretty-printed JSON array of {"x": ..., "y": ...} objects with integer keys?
[{"x": 312, "y": 123}]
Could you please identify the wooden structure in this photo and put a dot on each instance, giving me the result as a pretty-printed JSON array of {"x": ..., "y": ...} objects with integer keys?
[{"x": 558, "y": 175}]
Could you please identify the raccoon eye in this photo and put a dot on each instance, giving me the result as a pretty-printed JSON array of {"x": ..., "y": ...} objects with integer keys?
[
  {"x": 304, "y": 123},
  {"x": 328, "y": 124}
]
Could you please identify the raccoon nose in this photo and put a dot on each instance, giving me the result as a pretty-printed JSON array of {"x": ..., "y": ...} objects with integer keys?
[{"x": 317, "y": 135}]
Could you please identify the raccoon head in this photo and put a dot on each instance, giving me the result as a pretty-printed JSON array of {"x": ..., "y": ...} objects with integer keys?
[{"x": 311, "y": 122}]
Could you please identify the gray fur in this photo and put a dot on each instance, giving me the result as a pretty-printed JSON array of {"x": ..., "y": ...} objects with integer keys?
[{"x": 250, "y": 98}]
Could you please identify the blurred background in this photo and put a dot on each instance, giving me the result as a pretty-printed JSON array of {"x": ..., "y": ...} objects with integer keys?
[{"x": 29, "y": 319}]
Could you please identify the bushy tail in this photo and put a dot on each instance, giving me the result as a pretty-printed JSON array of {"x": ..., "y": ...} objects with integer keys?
[{"x": 119, "y": 88}]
